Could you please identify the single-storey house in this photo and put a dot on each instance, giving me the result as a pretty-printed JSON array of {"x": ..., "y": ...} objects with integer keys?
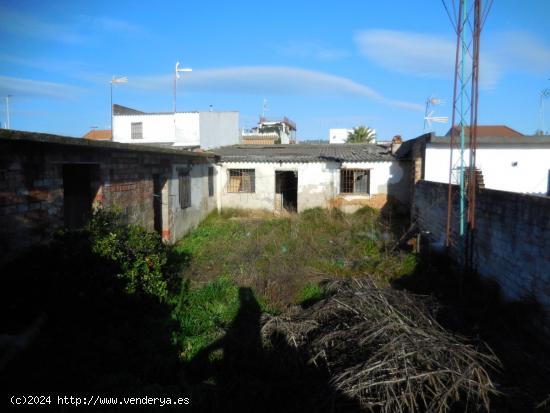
[
  {"x": 302, "y": 176},
  {"x": 49, "y": 181},
  {"x": 505, "y": 161}
]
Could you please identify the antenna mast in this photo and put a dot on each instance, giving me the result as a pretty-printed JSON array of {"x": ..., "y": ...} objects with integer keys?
[{"x": 467, "y": 20}]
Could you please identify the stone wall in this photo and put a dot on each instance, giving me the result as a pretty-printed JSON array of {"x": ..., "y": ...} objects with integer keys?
[
  {"x": 512, "y": 238},
  {"x": 35, "y": 170}
]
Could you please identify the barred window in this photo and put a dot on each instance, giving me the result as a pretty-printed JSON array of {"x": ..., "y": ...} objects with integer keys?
[
  {"x": 137, "y": 130},
  {"x": 184, "y": 181},
  {"x": 355, "y": 181},
  {"x": 210, "y": 181},
  {"x": 241, "y": 180}
]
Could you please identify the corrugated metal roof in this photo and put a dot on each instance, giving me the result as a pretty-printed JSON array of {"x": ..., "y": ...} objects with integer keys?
[{"x": 305, "y": 153}]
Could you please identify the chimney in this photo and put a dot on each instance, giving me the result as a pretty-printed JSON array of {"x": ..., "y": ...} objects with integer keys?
[{"x": 396, "y": 143}]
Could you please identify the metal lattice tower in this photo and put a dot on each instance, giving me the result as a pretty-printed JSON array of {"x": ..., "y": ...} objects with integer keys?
[{"x": 467, "y": 18}]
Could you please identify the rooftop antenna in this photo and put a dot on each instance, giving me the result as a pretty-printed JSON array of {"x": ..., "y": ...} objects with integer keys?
[
  {"x": 264, "y": 108},
  {"x": 8, "y": 111},
  {"x": 429, "y": 114},
  {"x": 115, "y": 80},
  {"x": 544, "y": 93},
  {"x": 177, "y": 72}
]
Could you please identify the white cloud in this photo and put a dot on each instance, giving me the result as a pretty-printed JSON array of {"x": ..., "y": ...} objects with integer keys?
[
  {"x": 267, "y": 80},
  {"x": 407, "y": 52},
  {"x": 71, "y": 31},
  {"x": 520, "y": 51},
  {"x": 25, "y": 88},
  {"x": 26, "y": 25},
  {"x": 109, "y": 24},
  {"x": 312, "y": 50},
  {"x": 430, "y": 55}
]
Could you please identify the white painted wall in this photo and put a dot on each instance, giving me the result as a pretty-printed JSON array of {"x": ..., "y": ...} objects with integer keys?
[
  {"x": 205, "y": 129},
  {"x": 184, "y": 220},
  {"x": 530, "y": 175},
  {"x": 318, "y": 182},
  {"x": 338, "y": 135},
  {"x": 218, "y": 129}
]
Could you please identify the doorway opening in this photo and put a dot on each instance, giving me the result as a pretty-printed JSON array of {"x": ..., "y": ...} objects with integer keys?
[
  {"x": 286, "y": 191},
  {"x": 80, "y": 185},
  {"x": 157, "y": 202}
]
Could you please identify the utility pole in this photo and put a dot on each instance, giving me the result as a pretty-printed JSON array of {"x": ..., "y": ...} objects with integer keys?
[
  {"x": 177, "y": 71},
  {"x": 8, "y": 111},
  {"x": 115, "y": 80}
]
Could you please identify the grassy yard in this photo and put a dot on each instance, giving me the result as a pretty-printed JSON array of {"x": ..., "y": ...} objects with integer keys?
[
  {"x": 283, "y": 259},
  {"x": 111, "y": 309}
]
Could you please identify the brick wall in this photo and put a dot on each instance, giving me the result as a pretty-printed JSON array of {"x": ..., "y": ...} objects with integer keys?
[
  {"x": 512, "y": 242},
  {"x": 32, "y": 192}
]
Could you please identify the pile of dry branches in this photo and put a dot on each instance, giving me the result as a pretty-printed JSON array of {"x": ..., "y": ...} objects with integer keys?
[{"x": 383, "y": 348}]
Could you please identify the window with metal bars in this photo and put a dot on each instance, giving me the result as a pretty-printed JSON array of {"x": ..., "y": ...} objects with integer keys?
[
  {"x": 241, "y": 180},
  {"x": 137, "y": 130},
  {"x": 210, "y": 181},
  {"x": 355, "y": 181},
  {"x": 184, "y": 182}
]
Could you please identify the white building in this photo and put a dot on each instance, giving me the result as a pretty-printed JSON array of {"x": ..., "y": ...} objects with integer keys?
[
  {"x": 279, "y": 131},
  {"x": 512, "y": 163},
  {"x": 204, "y": 130},
  {"x": 298, "y": 177},
  {"x": 338, "y": 135}
]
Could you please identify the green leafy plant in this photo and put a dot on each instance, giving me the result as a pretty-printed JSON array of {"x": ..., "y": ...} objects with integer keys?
[{"x": 140, "y": 255}]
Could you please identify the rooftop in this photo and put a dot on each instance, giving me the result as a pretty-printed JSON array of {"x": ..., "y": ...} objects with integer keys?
[
  {"x": 521, "y": 140},
  {"x": 119, "y": 110},
  {"x": 7, "y": 135},
  {"x": 98, "y": 135},
  {"x": 305, "y": 153},
  {"x": 490, "y": 130}
]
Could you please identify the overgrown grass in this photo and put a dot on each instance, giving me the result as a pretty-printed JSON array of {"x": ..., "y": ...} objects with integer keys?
[
  {"x": 203, "y": 314},
  {"x": 279, "y": 257}
]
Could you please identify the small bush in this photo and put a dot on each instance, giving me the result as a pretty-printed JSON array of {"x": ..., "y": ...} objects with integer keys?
[{"x": 140, "y": 255}]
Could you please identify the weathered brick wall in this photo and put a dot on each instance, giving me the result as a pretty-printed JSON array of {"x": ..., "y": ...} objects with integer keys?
[
  {"x": 32, "y": 186},
  {"x": 512, "y": 242}
]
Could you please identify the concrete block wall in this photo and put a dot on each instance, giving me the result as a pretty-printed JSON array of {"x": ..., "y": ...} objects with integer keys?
[{"x": 512, "y": 242}]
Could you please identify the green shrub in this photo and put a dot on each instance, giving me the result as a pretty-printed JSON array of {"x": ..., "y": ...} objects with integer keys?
[{"x": 140, "y": 255}]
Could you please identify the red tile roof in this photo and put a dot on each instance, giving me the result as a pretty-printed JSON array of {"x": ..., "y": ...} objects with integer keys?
[
  {"x": 98, "y": 135},
  {"x": 492, "y": 130}
]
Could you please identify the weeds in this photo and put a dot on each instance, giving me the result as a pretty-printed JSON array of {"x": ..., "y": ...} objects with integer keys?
[{"x": 278, "y": 257}]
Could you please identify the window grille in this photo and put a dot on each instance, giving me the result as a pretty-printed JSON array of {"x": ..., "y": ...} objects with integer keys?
[
  {"x": 137, "y": 130},
  {"x": 355, "y": 181},
  {"x": 241, "y": 180},
  {"x": 184, "y": 181},
  {"x": 210, "y": 181}
]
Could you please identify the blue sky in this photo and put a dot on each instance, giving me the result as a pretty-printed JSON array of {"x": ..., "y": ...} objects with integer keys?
[{"x": 322, "y": 64}]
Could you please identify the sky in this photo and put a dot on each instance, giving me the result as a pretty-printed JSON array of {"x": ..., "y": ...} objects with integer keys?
[{"x": 322, "y": 64}]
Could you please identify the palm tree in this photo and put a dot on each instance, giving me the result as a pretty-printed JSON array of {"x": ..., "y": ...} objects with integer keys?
[{"x": 361, "y": 134}]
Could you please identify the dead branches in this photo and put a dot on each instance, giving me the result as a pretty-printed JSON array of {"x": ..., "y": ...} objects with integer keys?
[{"x": 383, "y": 348}]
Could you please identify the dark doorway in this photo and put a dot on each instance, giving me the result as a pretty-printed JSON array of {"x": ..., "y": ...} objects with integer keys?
[
  {"x": 157, "y": 202},
  {"x": 286, "y": 190},
  {"x": 79, "y": 188}
]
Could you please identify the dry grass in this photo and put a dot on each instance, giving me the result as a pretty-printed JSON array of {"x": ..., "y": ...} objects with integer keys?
[
  {"x": 278, "y": 256},
  {"x": 384, "y": 349}
]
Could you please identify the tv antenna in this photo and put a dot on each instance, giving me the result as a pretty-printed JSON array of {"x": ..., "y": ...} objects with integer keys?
[{"x": 429, "y": 114}]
